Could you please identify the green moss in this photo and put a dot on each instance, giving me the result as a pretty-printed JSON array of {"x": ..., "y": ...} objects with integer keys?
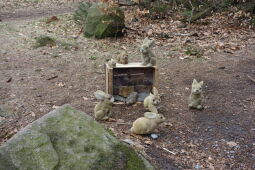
[
  {"x": 44, "y": 40},
  {"x": 194, "y": 51},
  {"x": 103, "y": 21},
  {"x": 134, "y": 162},
  {"x": 7, "y": 28},
  {"x": 123, "y": 157},
  {"x": 111, "y": 132},
  {"x": 82, "y": 12},
  {"x": 70, "y": 139},
  {"x": 66, "y": 45}
]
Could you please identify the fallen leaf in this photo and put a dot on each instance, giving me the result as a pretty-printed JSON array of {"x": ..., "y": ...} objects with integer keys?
[
  {"x": 55, "y": 107},
  {"x": 232, "y": 144},
  {"x": 53, "y": 18},
  {"x": 85, "y": 98},
  {"x": 9, "y": 80},
  {"x": 148, "y": 142}
]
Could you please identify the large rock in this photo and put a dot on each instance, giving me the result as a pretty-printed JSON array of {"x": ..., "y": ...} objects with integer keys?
[
  {"x": 81, "y": 13},
  {"x": 104, "y": 21},
  {"x": 67, "y": 139}
]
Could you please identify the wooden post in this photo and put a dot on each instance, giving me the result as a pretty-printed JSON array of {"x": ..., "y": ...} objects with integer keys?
[
  {"x": 109, "y": 79},
  {"x": 156, "y": 77}
]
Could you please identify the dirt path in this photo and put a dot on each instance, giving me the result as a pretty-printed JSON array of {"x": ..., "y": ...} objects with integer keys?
[{"x": 25, "y": 14}]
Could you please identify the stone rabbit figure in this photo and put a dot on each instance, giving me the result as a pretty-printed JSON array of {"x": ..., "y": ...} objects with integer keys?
[
  {"x": 147, "y": 124},
  {"x": 151, "y": 101},
  {"x": 148, "y": 58},
  {"x": 122, "y": 58},
  {"x": 103, "y": 109},
  {"x": 111, "y": 63},
  {"x": 195, "y": 98}
]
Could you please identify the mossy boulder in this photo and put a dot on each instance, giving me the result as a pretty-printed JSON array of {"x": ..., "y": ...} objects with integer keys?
[
  {"x": 68, "y": 139},
  {"x": 104, "y": 21},
  {"x": 81, "y": 13}
]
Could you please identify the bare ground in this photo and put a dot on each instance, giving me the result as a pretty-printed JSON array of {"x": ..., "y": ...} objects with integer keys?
[{"x": 34, "y": 81}]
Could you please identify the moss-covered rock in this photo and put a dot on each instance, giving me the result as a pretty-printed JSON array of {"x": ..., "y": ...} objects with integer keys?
[
  {"x": 67, "y": 139},
  {"x": 81, "y": 13},
  {"x": 104, "y": 21}
]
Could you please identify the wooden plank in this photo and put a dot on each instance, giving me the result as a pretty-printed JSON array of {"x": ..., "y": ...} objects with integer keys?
[
  {"x": 131, "y": 65},
  {"x": 125, "y": 90},
  {"x": 110, "y": 81},
  {"x": 120, "y": 71},
  {"x": 106, "y": 79},
  {"x": 156, "y": 78},
  {"x": 134, "y": 79},
  {"x": 143, "y": 88}
]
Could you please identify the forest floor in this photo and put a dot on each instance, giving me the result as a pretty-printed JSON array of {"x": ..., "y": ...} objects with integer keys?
[{"x": 34, "y": 81}]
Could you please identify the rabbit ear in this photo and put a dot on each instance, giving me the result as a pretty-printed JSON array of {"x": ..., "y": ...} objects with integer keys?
[
  {"x": 155, "y": 91},
  {"x": 146, "y": 39},
  {"x": 100, "y": 95},
  {"x": 201, "y": 83},
  {"x": 150, "y": 115},
  {"x": 194, "y": 81},
  {"x": 151, "y": 42}
]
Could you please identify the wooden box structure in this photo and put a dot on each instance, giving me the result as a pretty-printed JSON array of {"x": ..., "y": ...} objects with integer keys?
[{"x": 133, "y": 77}]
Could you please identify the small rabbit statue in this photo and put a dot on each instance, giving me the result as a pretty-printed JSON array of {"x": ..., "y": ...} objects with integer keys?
[
  {"x": 122, "y": 58},
  {"x": 195, "y": 98},
  {"x": 111, "y": 63},
  {"x": 148, "y": 58},
  {"x": 147, "y": 124},
  {"x": 151, "y": 101},
  {"x": 103, "y": 109}
]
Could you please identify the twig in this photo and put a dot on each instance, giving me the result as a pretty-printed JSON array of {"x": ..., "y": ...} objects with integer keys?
[
  {"x": 122, "y": 123},
  {"x": 127, "y": 4},
  {"x": 179, "y": 34},
  {"x": 169, "y": 151},
  {"x": 252, "y": 79},
  {"x": 51, "y": 78}
]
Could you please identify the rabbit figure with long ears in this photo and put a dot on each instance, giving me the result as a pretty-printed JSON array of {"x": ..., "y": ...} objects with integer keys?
[
  {"x": 147, "y": 124},
  {"x": 122, "y": 58},
  {"x": 195, "y": 98},
  {"x": 151, "y": 101},
  {"x": 148, "y": 58},
  {"x": 103, "y": 109}
]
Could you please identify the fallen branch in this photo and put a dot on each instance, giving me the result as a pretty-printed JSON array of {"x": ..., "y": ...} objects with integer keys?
[
  {"x": 122, "y": 123},
  {"x": 134, "y": 4},
  {"x": 252, "y": 79},
  {"x": 169, "y": 151}
]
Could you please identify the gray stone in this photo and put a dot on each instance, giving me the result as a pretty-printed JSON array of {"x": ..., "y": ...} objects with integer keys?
[
  {"x": 128, "y": 141},
  {"x": 154, "y": 136},
  {"x": 67, "y": 139},
  {"x": 119, "y": 98},
  {"x": 142, "y": 96}
]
